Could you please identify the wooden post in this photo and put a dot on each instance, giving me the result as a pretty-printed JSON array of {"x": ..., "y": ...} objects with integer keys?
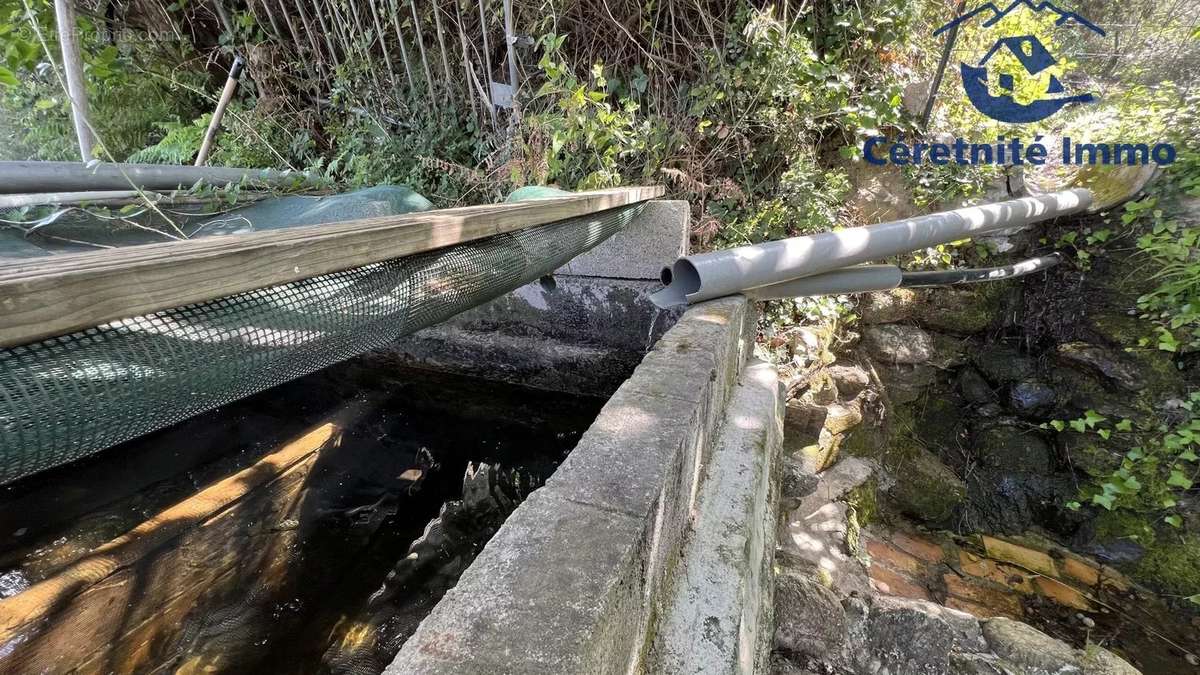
[
  {"x": 64, "y": 15},
  {"x": 424, "y": 59},
  {"x": 941, "y": 70},
  {"x": 441, "y": 38},
  {"x": 214, "y": 125},
  {"x": 487, "y": 61}
]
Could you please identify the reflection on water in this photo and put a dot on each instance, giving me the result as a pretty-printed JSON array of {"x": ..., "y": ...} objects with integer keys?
[{"x": 308, "y": 529}]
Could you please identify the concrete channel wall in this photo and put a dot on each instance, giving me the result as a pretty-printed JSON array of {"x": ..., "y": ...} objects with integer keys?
[
  {"x": 649, "y": 550},
  {"x": 581, "y": 331}
]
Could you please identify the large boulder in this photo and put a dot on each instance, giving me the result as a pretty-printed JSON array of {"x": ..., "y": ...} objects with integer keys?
[
  {"x": 1026, "y": 646},
  {"x": 898, "y": 344},
  {"x": 916, "y": 637},
  {"x": 957, "y": 310},
  {"x": 1036, "y": 653},
  {"x": 809, "y": 620}
]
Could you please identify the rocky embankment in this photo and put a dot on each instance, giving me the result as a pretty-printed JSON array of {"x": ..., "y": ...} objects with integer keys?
[{"x": 931, "y": 468}]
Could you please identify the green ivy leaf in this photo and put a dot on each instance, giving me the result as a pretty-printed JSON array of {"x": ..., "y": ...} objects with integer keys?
[
  {"x": 1105, "y": 500},
  {"x": 1124, "y": 425},
  {"x": 1179, "y": 480},
  {"x": 1174, "y": 520}
]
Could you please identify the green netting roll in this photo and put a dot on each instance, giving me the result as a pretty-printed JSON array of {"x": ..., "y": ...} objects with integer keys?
[{"x": 68, "y": 397}]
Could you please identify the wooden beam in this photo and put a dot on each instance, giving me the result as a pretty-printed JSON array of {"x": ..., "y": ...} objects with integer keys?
[{"x": 57, "y": 295}]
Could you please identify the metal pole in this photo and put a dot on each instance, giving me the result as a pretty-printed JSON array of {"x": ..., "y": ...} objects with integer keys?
[
  {"x": 214, "y": 125},
  {"x": 941, "y": 69},
  {"x": 510, "y": 38},
  {"x": 28, "y": 177},
  {"x": 64, "y": 15}
]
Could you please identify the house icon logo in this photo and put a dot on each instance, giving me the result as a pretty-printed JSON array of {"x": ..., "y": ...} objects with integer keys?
[{"x": 1033, "y": 57}]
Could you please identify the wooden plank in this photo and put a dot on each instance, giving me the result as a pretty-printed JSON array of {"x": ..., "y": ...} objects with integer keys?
[{"x": 45, "y": 297}]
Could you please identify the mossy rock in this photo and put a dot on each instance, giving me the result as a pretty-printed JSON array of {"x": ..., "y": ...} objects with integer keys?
[
  {"x": 904, "y": 384},
  {"x": 1079, "y": 390},
  {"x": 939, "y": 424},
  {"x": 1119, "y": 328},
  {"x": 897, "y": 304},
  {"x": 1002, "y": 364},
  {"x": 1172, "y": 564},
  {"x": 865, "y": 500},
  {"x": 964, "y": 311},
  {"x": 1012, "y": 449},
  {"x": 1091, "y": 454},
  {"x": 926, "y": 489}
]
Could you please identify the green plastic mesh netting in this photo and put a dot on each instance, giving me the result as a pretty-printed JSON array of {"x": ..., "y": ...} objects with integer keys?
[{"x": 68, "y": 397}]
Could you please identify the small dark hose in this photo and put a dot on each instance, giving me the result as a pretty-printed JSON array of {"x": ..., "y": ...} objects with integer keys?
[{"x": 973, "y": 276}]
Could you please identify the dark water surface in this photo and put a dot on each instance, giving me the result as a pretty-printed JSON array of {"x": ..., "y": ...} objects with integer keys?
[{"x": 284, "y": 570}]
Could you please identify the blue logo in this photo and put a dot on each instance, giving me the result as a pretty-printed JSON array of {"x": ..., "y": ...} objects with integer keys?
[{"x": 1033, "y": 57}]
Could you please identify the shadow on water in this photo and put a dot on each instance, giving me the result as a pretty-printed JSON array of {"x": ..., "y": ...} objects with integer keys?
[{"x": 322, "y": 486}]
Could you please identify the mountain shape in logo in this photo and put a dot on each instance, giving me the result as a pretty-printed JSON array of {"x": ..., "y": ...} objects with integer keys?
[{"x": 997, "y": 14}]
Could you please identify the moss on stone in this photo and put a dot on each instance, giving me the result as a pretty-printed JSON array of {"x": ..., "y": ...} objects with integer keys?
[
  {"x": 865, "y": 501},
  {"x": 1122, "y": 524},
  {"x": 1172, "y": 565},
  {"x": 939, "y": 423},
  {"x": 964, "y": 310},
  {"x": 1090, "y": 453},
  {"x": 926, "y": 489}
]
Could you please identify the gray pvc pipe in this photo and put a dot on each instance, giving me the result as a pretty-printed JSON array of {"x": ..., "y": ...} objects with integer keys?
[
  {"x": 974, "y": 276},
  {"x": 850, "y": 280},
  {"x": 49, "y": 198},
  {"x": 720, "y": 273},
  {"x": 24, "y": 177}
]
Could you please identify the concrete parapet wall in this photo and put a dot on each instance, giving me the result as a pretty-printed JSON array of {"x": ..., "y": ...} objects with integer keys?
[
  {"x": 720, "y": 615},
  {"x": 583, "y": 331},
  {"x": 640, "y": 251},
  {"x": 580, "y": 576}
]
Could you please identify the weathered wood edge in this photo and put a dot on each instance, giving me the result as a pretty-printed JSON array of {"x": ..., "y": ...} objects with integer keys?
[{"x": 55, "y": 296}]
